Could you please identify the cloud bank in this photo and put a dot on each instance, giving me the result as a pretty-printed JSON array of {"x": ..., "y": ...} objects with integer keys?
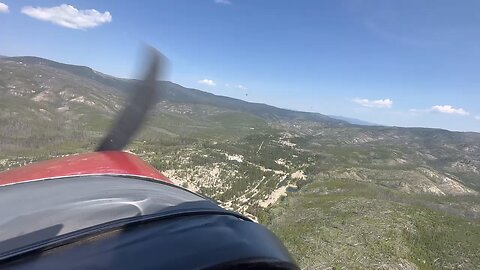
[
  {"x": 241, "y": 87},
  {"x": 379, "y": 103},
  {"x": 223, "y": 2},
  {"x": 68, "y": 16},
  {"x": 237, "y": 86},
  {"x": 207, "y": 82},
  {"x": 448, "y": 109},
  {"x": 3, "y": 8}
]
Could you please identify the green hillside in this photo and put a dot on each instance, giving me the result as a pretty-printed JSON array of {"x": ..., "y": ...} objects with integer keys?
[{"x": 341, "y": 196}]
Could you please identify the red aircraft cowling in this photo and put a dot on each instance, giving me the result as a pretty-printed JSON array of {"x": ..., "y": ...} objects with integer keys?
[{"x": 96, "y": 163}]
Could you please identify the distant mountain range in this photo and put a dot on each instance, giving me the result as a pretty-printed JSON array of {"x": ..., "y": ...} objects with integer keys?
[
  {"x": 353, "y": 121},
  {"x": 179, "y": 94}
]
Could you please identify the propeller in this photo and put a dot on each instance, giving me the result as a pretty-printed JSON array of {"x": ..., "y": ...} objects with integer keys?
[{"x": 143, "y": 97}]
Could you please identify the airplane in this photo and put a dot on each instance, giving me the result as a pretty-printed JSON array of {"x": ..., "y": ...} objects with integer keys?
[{"x": 109, "y": 209}]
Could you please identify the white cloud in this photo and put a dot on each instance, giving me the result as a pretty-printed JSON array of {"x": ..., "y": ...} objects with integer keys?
[
  {"x": 379, "y": 103},
  {"x": 68, "y": 16},
  {"x": 449, "y": 110},
  {"x": 223, "y": 2},
  {"x": 477, "y": 117},
  {"x": 241, "y": 87},
  {"x": 238, "y": 86},
  {"x": 207, "y": 82},
  {"x": 3, "y": 8}
]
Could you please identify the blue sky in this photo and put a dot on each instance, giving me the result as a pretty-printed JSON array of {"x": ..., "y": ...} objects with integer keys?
[{"x": 404, "y": 62}]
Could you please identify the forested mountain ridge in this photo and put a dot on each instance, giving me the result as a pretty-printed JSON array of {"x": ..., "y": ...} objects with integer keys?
[{"x": 339, "y": 195}]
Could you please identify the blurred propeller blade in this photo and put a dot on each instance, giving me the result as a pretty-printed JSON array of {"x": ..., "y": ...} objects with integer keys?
[{"x": 143, "y": 98}]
